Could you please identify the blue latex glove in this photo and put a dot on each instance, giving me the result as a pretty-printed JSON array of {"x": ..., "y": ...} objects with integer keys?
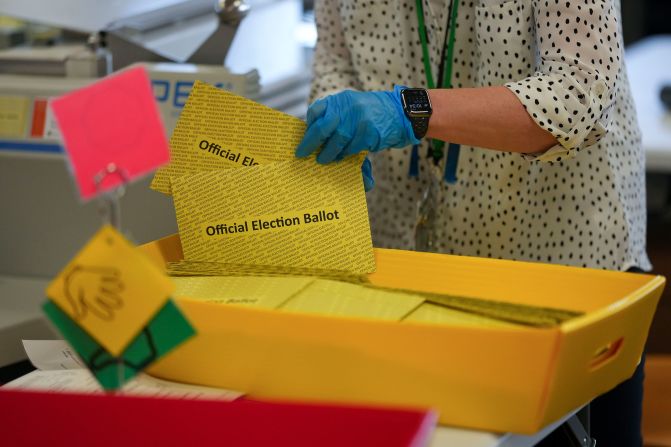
[
  {"x": 350, "y": 122},
  {"x": 367, "y": 173}
]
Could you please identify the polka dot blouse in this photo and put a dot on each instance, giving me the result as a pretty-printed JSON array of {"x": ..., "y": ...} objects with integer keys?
[{"x": 582, "y": 202}]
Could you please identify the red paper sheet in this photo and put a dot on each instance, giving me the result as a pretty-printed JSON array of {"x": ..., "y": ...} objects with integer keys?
[
  {"x": 115, "y": 120},
  {"x": 33, "y": 418}
]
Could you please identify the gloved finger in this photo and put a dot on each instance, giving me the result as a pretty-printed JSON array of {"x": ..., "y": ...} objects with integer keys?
[
  {"x": 365, "y": 138},
  {"x": 340, "y": 156},
  {"x": 333, "y": 148},
  {"x": 317, "y": 133},
  {"x": 367, "y": 174},
  {"x": 316, "y": 110}
]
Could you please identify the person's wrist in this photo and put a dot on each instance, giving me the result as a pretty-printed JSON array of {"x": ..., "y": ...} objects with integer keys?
[{"x": 435, "y": 120}]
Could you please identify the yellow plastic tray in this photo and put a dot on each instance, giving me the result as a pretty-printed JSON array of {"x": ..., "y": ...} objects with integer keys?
[{"x": 500, "y": 379}]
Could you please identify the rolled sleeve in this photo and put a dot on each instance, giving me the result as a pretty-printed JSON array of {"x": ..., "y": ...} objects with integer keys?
[{"x": 573, "y": 90}]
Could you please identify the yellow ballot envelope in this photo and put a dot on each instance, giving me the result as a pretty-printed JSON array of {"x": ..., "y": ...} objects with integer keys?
[
  {"x": 110, "y": 289},
  {"x": 259, "y": 291},
  {"x": 293, "y": 214},
  {"x": 489, "y": 377},
  {"x": 328, "y": 297},
  {"x": 218, "y": 129}
]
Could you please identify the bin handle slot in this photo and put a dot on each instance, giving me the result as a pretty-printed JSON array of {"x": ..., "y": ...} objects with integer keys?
[{"x": 605, "y": 353}]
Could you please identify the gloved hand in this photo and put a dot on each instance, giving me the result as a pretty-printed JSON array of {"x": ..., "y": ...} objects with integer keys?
[{"x": 350, "y": 122}]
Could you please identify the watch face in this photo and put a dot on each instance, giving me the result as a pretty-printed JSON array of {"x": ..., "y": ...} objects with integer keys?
[{"x": 416, "y": 101}]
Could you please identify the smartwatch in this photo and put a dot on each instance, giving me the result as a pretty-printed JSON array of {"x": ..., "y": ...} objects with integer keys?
[{"x": 417, "y": 107}]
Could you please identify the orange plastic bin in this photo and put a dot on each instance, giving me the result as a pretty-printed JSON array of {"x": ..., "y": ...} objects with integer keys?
[{"x": 499, "y": 379}]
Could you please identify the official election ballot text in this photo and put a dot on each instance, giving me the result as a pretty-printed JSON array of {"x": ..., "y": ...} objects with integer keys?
[{"x": 271, "y": 224}]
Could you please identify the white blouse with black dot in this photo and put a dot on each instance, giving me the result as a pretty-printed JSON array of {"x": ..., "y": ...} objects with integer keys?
[{"x": 582, "y": 202}]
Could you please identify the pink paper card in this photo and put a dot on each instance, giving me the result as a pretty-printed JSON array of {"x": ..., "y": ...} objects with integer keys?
[{"x": 114, "y": 120}]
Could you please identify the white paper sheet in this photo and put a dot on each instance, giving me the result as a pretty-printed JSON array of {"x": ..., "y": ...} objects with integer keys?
[
  {"x": 60, "y": 369},
  {"x": 50, "y": 355}
]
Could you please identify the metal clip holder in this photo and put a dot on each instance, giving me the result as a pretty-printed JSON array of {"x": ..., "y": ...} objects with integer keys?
[{"x": 110, "y": 207}]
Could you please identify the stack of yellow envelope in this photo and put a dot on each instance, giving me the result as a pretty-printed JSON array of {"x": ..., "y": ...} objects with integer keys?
[
  {"x": 275, "y": 213},
  {"x": 259, "y": 227}
]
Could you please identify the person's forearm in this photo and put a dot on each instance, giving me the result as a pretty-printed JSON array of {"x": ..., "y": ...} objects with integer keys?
[{"x": 489, "y": 117}]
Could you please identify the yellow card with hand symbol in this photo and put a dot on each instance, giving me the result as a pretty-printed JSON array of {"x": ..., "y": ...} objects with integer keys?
[{"x": 110, "y": 289}]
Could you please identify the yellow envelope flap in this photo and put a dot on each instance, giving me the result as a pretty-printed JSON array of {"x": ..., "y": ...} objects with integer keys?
[
  {"x": 218, "y": 129},
  {"x": 328, "y": 297}
]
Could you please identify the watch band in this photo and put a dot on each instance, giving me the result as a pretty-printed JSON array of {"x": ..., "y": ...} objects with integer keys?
[{"x": 420, "y": 125}]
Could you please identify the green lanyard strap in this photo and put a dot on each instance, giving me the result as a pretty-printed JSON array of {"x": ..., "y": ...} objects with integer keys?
[
  {"x": 425, "y": 46},
  {"x": 445, "y": 72},
  {"x": 448, "y": 49}
]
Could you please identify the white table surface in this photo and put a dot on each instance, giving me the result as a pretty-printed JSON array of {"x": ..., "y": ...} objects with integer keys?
[
  {"x": 649, "y": 67},
  {"x": 455, "y": 437}
]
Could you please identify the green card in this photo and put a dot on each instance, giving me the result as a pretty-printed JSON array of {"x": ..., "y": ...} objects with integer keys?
[{"x": 166, "y": 330}]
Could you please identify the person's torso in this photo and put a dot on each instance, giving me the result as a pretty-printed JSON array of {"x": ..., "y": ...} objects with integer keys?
[{"x": 588, "y": 210}]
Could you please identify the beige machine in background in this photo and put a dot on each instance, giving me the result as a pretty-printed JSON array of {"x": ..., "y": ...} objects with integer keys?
[{"x": 42, "y": 222}]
